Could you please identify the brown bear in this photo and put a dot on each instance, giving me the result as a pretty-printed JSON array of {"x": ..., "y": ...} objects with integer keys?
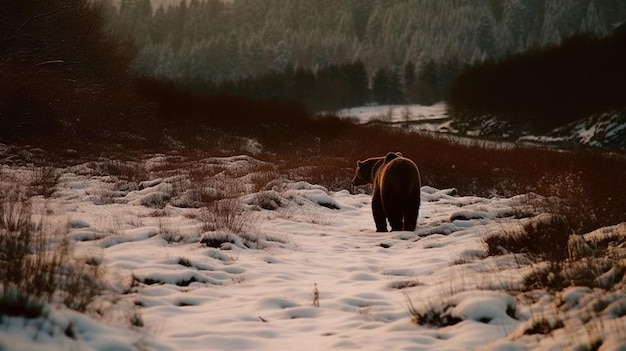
[{"x": 396, "y": 191}]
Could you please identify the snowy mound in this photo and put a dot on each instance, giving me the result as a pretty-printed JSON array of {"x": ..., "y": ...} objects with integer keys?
[{"x": 606, "y": 130}]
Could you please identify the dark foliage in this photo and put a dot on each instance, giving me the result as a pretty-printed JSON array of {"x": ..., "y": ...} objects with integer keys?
[
  {"x": 62, "y": 75},
  {"x": 541, "y": 89},
  {"x": 386, "y": 87},
  {"x": 65, "y": 34},
  {"x": 330, "y": 87},
  {"x": 278, "y": 124},
  {"x": 546, "y": 240},
  {"x": 338, "y": 86}
]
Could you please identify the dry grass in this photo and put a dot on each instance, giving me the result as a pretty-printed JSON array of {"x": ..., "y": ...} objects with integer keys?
[
  {"x": 553, "y": 242},
  {"x": 36, "y": 265},
  {"x": 226, "y": 214},
  {"x": 433, "y": 315},
  {"x": 44, "y": 180}
]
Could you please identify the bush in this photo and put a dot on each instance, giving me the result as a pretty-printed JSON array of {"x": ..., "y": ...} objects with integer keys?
[
  {"x": 437, "y": 316},
  {"x": 64, "y": 79},
  {"x": 37, "y": 267},
  {"x": 226, "y": 214},
  {"x": 542, "y": 238},
  {"x": 66, "y": 36}
]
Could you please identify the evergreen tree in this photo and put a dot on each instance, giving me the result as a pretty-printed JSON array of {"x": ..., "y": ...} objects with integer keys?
[
  {"x": 394, "y": 86},
  {"x": 379, "y": 86},
  {"x": 361, "y": 13},
  {"x": 357, "y": 78},
  {"x": 426, "y": 87},
  {"x": 303, "y": 87},
  {"x": 410, "y": 82},
  {"x": 486, "y": 36}
]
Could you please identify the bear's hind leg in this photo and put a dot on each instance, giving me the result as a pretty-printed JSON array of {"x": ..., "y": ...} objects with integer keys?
[
  {"x": 379, "y": 214},
  {"x": 395, "y": 215},
  {"x": 410, "y": 217},
  {"x": 396, "y": 223}
]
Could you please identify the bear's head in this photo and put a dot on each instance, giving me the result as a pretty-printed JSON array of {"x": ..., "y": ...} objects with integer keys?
[
  {"x": 365, "y": 170},
  {"x": 363, "y": 174}
]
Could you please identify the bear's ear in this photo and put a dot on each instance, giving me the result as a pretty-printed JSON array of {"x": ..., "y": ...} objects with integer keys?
[
  {"x": 390, "y": 156},
  {"x": 360, "y": 164}
]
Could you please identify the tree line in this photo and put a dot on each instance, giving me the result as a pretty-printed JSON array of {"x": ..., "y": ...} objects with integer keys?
[
  {"x": 259, "y": 40},
  {"x": 337, "y": 86}
]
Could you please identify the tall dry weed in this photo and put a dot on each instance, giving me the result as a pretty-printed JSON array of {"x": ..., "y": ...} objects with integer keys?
[
  {"x": 36, "y": 265},
  {"x": 226, "y": 214}
]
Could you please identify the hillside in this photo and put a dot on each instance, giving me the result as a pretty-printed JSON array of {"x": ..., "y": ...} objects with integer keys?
[
  {"x": 545, "y": 91},
  {"x": 210, "y": 41}
]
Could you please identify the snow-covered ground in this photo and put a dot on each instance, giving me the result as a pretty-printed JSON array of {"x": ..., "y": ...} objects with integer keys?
[
  {"x": 604, "y": 131},
  {"x": 306, "y": 270},
  {"x": 426, "y": 118}
]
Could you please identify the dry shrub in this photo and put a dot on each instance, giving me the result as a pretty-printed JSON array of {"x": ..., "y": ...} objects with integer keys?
[
  {"x": 570, "y": 199},
  {"x": 130, "y": 171},
  {"x": 321, "y": 216},
  {"x": 542, "y": 238},
  {"x": 226, "y": 214},
  {"x": 103, "y": 195},
  {"x": 156, "y": 200},
  {"x": 44, "y": 180},
  {"x": 433, "y": 315},
  {"x": 168, "y": 233},
  {"x": 200, "y": 174},
  {"x": 36, "y": 266},
  {"x": 260, "y": 179}
]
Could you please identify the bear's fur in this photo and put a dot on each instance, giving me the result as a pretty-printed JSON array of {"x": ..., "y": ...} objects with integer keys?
[{"x": 396, "y": 190}]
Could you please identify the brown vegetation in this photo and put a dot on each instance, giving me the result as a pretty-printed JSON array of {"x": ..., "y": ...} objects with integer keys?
[{"x": 37, "y": 266}]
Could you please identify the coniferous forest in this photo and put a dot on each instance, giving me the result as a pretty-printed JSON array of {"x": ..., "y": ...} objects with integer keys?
[{"x": 333, "y": 54}]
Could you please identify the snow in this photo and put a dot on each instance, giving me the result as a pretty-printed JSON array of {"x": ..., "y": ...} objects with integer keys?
[
  {"x": 425, "y": 118},
  {"x": 255, "y": 291},
  {"x": 604, "y": 131}
]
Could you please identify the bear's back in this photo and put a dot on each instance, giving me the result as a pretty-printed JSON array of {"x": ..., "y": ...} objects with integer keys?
[{"x": 400, "y": 173}]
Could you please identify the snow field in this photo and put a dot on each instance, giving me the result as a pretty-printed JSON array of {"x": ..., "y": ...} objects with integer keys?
[{"x": 254, "y": 290}]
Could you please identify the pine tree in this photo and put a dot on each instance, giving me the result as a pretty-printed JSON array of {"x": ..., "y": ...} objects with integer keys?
[
  {"x": 357, "y": 77},
  {"x": 486, "y": 36},
  {"x": 410, "y": 82},
  {"x": 361, "y": 12},
  {"x": 167, "y": 66},
  {"x": 379, "y": 86},
  {"x": 426, "y": 89},
  {"x": 592, "y": 22}
]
